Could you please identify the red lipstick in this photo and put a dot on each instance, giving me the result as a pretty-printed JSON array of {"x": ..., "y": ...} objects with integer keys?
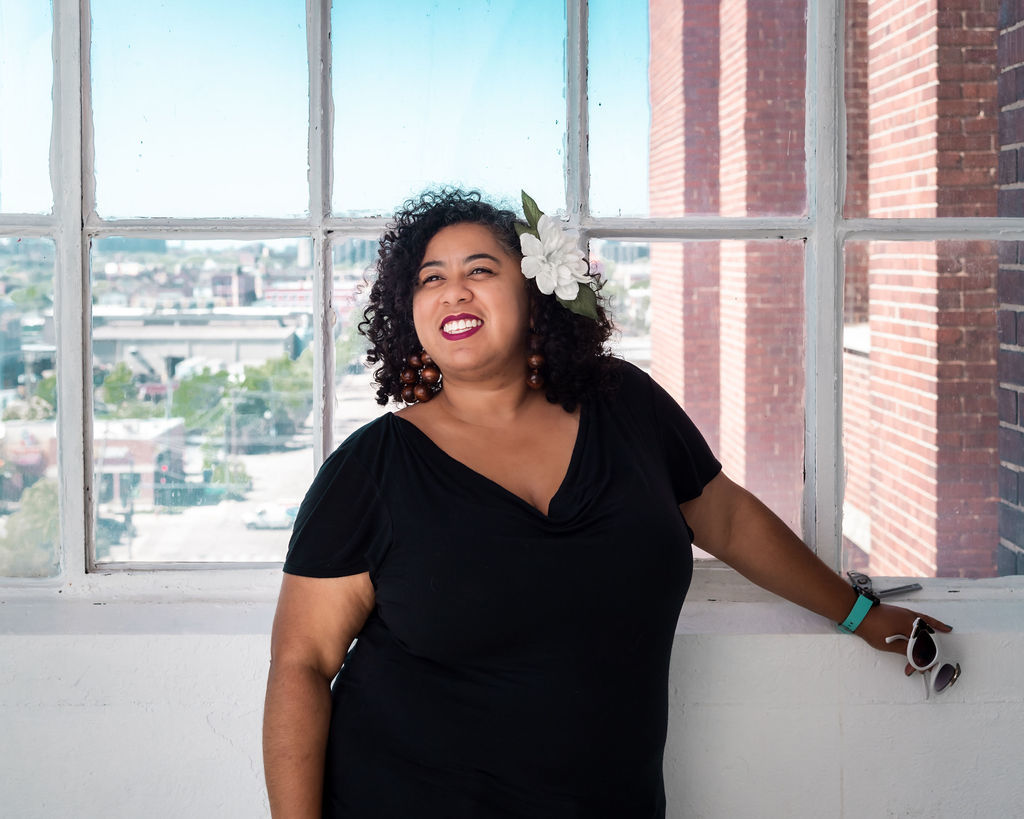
[{"x": 460, "y": 326}]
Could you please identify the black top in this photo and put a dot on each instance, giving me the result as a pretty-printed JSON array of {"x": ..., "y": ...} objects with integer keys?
[{"x": 515, "y": 663}]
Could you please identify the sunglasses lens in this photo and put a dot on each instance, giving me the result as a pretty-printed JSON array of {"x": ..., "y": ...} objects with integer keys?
[
  {"x": 924, "y": 650},
  {"x": 945, "y": 676}
]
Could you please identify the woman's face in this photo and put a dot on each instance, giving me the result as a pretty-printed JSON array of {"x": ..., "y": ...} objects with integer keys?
[{"x": 470, "y": 305}]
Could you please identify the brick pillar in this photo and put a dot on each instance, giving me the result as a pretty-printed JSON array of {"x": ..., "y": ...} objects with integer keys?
[
  {"x": 932, "y": 305},
  {"x": 932, "y": 409},
  {"x": 762, "y": 307},
  {"x": 684, "y": 179},
  {"x": 1010, "y": 552},
  {"x": 855, "y": 267}
]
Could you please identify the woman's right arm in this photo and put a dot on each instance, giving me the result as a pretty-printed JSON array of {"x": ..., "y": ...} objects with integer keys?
[{"x": 315, "y": 623}]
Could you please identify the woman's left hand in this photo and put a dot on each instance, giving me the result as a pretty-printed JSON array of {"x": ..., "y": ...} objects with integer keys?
[{"x": 885, "y": 621}]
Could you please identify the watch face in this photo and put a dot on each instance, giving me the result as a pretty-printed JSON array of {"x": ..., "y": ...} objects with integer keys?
[{"x": 860, "y": 581}]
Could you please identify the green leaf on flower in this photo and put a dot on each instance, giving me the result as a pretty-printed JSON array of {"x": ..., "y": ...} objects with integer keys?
[
  {"x": 530, "y": 210},
  {"x": 522, "y": 228},
  {"x": 585, "y": 303}
]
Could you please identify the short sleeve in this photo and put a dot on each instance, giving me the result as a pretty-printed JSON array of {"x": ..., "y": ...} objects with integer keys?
[
  {"x": 690, "y": 462},
  {"x": 343, "y": 526}
]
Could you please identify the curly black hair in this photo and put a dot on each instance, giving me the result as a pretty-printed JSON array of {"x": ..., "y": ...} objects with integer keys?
[{"x": 577, "y": 366}]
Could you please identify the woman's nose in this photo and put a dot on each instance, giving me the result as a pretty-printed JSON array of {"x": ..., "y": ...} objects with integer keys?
[{"x": 456, "y": 291}]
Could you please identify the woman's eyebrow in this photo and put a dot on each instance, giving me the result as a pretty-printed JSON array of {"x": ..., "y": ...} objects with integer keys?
[{"x": 467, "y": 260}]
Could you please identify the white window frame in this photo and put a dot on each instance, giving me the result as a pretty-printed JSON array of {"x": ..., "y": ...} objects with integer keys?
[{"x": 74, "y": 224}]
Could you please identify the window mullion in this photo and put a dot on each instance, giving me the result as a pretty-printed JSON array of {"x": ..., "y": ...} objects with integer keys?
[
  {"x": 577, "y": 172},
  {"x": 71, "y": 304},
  {"x": 823, "y": 485},
  {"x": 318, "y": 39}
]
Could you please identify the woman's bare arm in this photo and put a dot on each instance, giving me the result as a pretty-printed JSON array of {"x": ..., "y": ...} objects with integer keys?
[
  {"x": 315, "y": 623},
  {"x": 734, "y": 526}
]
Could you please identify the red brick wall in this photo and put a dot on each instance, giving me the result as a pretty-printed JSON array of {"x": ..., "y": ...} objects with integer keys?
[
  {"x": 727, "y": 125},
  {"x": 762, "y": 315},
  {"x": 665, "y": 79},
  {"x": 1010, "y": 316},
  {"x": 684, "y": 180},
  {"x": 762, "y": 341},
  {"x": 933, "y": 409},
  {"x": 932, "y": 125},
  {"x": 903, "y": 105},
  {"x": 922, "y": 130},
  {"x": 855, "y": 291},
  {"x": 966, "y": 142}
]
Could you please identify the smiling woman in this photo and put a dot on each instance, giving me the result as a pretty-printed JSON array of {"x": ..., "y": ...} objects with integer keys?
[
  {"x": 481, "y": 343},
  {"x": 575, "y": 364},
  {"x": 510, "y": 556},
  {"x": 491, "y": 636}
]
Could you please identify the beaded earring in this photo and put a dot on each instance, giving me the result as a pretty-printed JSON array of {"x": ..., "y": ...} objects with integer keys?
[
  {"x": 420, "y": 378},
  {"x": 534, "y": 361}
]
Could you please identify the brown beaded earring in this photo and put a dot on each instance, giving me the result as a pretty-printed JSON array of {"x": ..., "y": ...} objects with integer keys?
[
  {"x": 534, "y": 361},
  {"x": 420, "y": 378}
]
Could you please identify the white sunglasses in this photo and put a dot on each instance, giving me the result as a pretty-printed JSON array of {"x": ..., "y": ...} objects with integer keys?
[{"x": 923, "y": 655}]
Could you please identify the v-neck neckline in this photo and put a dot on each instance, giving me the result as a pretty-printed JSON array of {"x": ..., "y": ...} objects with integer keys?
[{"x": 570, "y": 471}]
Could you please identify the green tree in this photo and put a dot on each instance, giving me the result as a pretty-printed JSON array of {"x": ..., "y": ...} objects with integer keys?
[
  {"x": 120, "y": 393},
  {"x": 279, "y": 386},
  {"x": 33, "y": 297},
  {"x": 47, "y": 390},
  {"x": 29, "y": 547},
  {"x": 199, "y": 399},
  {"x": 119, "y": 385}
]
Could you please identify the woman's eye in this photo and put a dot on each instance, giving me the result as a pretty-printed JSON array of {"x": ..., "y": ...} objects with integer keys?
[
  {"x": 433, "y": 277},
  {"x": 478, "y": 270}
]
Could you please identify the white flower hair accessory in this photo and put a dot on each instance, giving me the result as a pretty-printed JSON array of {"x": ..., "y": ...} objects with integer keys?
[{"x": 552, "y": 258}]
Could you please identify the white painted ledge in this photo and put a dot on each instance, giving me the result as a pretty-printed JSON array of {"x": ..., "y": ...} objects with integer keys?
[{"x": 241, "y": 601}]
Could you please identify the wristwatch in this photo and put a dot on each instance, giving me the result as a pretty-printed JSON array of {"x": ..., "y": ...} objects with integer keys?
[{"x": 866, "y": 600}]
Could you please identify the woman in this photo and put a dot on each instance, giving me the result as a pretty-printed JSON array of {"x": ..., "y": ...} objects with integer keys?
[{"x": 508, "y": 549}]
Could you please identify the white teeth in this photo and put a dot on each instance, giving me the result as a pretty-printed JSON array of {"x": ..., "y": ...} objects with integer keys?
[{"x": 461, "y": 325}]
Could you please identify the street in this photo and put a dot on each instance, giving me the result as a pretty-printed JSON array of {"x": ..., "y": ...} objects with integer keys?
[{"x": 218, "y": 533}]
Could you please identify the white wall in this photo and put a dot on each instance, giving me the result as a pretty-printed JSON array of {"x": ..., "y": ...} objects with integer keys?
[{"x": 135, "y": 707}]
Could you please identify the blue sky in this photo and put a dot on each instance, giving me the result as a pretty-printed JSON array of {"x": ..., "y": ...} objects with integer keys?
[
  {"x": 200, "y": 108},
  {"x": 26, "y": 71}
]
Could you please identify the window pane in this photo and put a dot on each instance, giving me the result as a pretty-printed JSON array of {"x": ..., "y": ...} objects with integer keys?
[
  {"x": 460, "y": 93},
  {"x": 355, "y": 390},
  {"x": 200, "y": 109},
  {"x": 203, "y": 370},
  {"x": 619, "y": 108},
  {"x": 687, "y": 312},
  {"x": 934, "y": 122},
  {"x": 700, "y": 101},
  {"x": 26, "y": 99},
  {"x": 933, "y": 439},
  {"x": 29, "y": 522}
]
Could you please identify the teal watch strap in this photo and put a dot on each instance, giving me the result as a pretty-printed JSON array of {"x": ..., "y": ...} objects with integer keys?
[{"x": 857, "y": 614}]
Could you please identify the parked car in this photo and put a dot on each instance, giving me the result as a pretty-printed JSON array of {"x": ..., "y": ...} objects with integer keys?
[{"x": 272, "y": 517}]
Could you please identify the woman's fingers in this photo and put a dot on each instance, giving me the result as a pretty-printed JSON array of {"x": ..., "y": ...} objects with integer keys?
[{"x": 938, "y": 625}]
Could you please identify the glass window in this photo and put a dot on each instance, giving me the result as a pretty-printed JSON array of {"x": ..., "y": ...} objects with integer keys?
[
  {"x": 688, "y": 312},
  {"x": 355, "y": 390},
  {"x": 202, "y": 353},
  {"x": 619, "y": 107},
  {"x": 933, "y": 436},
  {"x": 200, "y": 109},
  {"x": 701, "y": 101},
  {"x": 26, "y": 99},
  {"x": 933, "y": 117},
  {"x": 29, "y": 477},
  {"x": 203, "y": 393},
  {"x": 429, "y": 93}
]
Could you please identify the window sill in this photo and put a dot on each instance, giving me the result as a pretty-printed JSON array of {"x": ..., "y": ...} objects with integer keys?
[{"x": 241, "y": 601}]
